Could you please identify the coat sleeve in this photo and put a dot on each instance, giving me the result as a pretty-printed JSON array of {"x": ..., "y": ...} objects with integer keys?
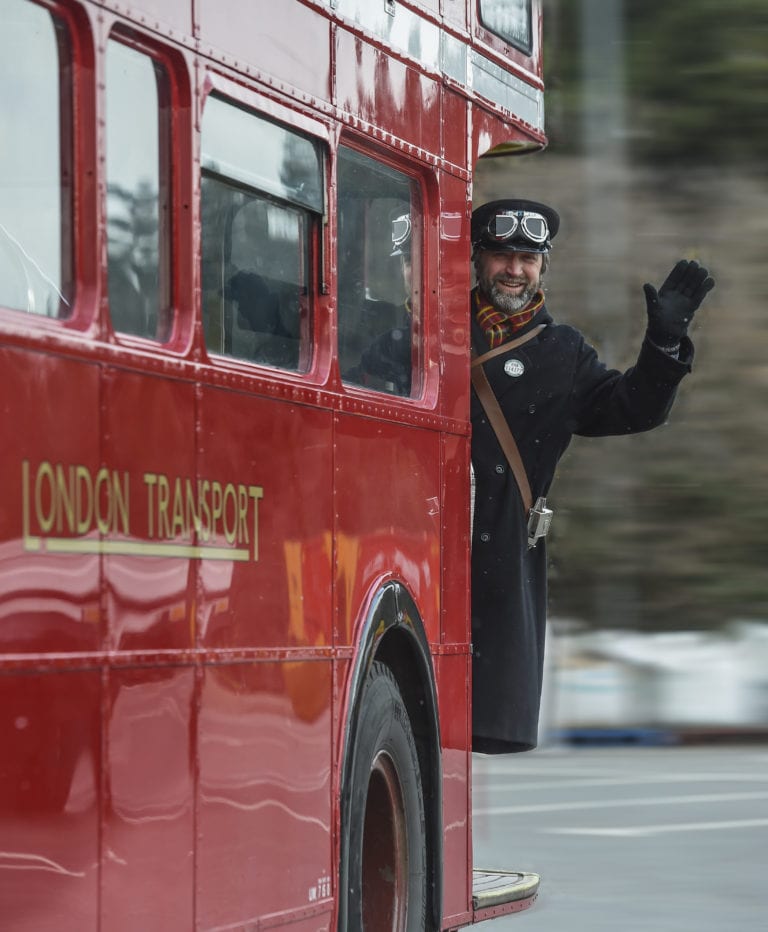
[{"x": 609, "y": 402}]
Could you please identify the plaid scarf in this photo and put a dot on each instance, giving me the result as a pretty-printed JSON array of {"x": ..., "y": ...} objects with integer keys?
[{"x": 498, "y": 326}]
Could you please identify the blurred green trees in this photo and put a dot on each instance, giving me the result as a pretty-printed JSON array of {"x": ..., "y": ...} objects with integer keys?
[
  {"x": 669, "y": 529},
  {"x": 696, "y": 74}
]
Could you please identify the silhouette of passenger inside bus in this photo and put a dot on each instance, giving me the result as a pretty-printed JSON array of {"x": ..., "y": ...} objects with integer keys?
[
  {"x": 389, "y": 357},
  {"x": 127, "y": 305},
  {"x": 258, "y": 310}
]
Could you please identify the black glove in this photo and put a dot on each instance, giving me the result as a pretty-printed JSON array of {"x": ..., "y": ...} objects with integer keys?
[{"x": 671, "y": 308}]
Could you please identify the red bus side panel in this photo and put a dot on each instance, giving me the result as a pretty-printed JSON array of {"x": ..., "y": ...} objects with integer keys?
[
  {"x": 49, "y": 800},
  {"x": 148, "y": 830},
  {"x": 388, "y": 517},
  {"x": 264, "y": 814},
  {"x": 49, "y": 600},
  {"x": 382, "y": 91},
  {"x": 293, "y": 43},
  {"x": 149, "y": 437},
  {"x": 264, "y": 733}
]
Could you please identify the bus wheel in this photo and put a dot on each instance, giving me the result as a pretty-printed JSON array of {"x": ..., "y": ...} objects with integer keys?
[{"x": 387, "y": 858}]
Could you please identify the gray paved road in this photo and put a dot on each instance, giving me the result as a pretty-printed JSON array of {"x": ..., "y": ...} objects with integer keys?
[{"x": 629, "y": 839}]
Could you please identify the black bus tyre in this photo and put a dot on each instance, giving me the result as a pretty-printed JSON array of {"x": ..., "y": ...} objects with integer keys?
[{"x": 387, "y": 879}]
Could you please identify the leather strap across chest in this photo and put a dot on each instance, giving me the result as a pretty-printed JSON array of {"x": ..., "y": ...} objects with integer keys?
[
  {"x": 496, "y": 418},
  {"x": 505, "y": 347}
]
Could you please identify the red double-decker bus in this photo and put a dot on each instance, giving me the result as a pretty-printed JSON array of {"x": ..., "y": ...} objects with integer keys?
[{"x": 234, "y": 594}]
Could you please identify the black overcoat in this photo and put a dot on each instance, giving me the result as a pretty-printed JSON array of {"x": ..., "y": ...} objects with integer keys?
[{"x": 563, "y": 390}]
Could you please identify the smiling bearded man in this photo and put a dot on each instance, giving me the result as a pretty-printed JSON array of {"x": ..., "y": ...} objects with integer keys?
[
  {"x": 510, "y": 280},
  {"x": 548, "y": 387}
]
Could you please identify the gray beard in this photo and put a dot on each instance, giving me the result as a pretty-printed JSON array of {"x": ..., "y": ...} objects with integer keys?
[{"x": 508, "y": 303}]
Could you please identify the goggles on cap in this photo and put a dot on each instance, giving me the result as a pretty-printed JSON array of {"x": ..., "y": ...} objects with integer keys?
[
  {"x": 509, "y": 224},
  {"x": 401, "y": 234}
]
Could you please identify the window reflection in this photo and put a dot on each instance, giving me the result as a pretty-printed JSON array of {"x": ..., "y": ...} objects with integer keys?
[
  {"x": 261, "y": 155},
  {"x": 136, "y": 193},
  {"x": 34, "y": 198},
  {"x": 261, "y": 193},
  {"x": 509, "y": 19},
  {"x": 378, "y": 295},
  {"x": 254, "y": 264}
]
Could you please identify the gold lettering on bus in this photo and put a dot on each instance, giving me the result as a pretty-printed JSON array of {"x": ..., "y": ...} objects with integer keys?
[
  {"x": 210, "y": 510},
  {"x": 69, "y": 500},
  {"x": 70, "y": 508}
]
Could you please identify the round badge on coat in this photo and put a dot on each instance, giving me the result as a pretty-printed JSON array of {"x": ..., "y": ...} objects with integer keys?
[{"x": 514, "y": 368}]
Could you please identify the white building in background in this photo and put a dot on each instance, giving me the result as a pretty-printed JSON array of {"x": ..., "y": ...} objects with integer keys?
[{"x": 620, "y": 680}]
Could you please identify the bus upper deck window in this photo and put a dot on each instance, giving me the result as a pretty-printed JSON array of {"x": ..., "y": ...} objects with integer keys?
[
  {"x": 510, "y": 20},
  {"x": 35, "y": 200},
  {"x": 262, "y": 193},
  {"x": 137, "y": 193},
  {"x": 379, "y": 216}
]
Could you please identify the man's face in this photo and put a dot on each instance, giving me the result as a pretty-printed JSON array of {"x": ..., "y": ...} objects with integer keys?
[{"x": 509, "y": 280}]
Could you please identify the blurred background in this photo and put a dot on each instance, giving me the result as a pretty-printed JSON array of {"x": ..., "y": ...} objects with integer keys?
[{"x": 657, "y": 116}]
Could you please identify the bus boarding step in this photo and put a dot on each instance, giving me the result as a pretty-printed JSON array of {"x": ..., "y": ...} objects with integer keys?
[{"x": 498, "y": 888}]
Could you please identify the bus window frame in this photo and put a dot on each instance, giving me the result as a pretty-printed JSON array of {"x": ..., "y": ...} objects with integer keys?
[
  {"x": 418, "y": 175},
  {"x": 529, "y": 61},
  {"x": 175, "y": 151},
  {"x": 316, "y": 351},
  {"x": 67, "y": 103},
  {"x": 307, "y": 256},
  {"x": 527, "y": 50},
  {"x": 68, "y": 25}
]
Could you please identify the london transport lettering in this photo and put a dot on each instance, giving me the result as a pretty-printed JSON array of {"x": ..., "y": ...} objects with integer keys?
[{"x": 65, "y": 505}]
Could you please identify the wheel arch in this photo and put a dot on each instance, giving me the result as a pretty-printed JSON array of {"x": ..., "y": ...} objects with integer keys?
[{"x": 393, "y": 633}]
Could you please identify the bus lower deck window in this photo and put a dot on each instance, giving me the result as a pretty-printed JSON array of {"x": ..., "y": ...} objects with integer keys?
[
  {"x": 137, "y": 193},
  {"x": 35, "y": 163},
  {"x": 262, "y": 197},
  {"x": 378, "y": 274}
]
